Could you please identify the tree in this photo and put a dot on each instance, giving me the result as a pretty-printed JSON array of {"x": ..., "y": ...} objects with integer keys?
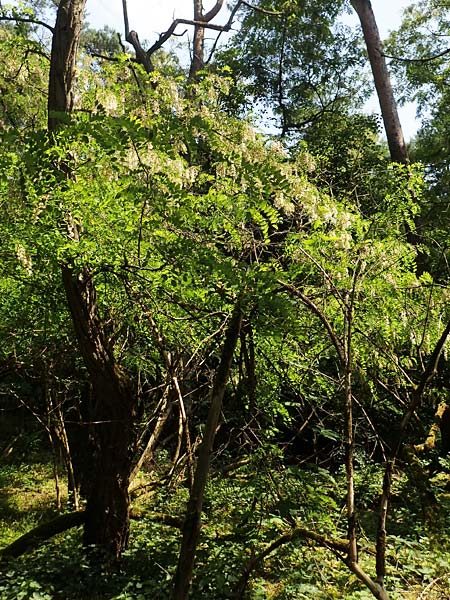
[
  {"x": 295, "y": 62},
  {"x": 200, "y": 22},
  {"x": 228, "y": 296},
  {"x": 394, "y": 134},
  {"x": 420, "y": 57},
  {"x": 107, "y": 510}
]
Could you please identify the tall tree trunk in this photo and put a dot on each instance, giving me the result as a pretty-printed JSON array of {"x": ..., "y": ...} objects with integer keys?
[
  {"x": 198, "y": 47},
  {"x": 389, "y": 112},
  {"x": 192, "y": 524},
  {"x": 65, "y": 42},
  {"x": 393, "y": 128},
  {"x": 107, "y": 510}
]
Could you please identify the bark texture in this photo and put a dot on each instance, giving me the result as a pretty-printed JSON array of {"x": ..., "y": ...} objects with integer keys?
[
  {"x": 65, "y": 42},
  {"x": 198, "y": 47},
  {"x": 107, "y": 510}
]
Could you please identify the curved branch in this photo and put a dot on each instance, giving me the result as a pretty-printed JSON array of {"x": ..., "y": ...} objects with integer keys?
[
  {"x": 34, "y": 538},
  {"x": 316, "y": 310},
  {"x": 132, "y": 38},
  {"x": 27, "y": 20},
  {"x": 263, "y": 11},
  {"x": 213, "y": 12},
  {"x": 419, "y": 60},
  {"x": 222, "y": 28},
  {"x": 337, "y": 545}
]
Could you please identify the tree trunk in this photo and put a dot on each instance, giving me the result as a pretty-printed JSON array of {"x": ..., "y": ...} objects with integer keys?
[
  {"x": 65, "y": 42},
  {"x": 393, "y": 128},
  {"x": 198, "y": 47},
  {"x": 107, "y": 510},
  {"x": 192, "y": 524}
]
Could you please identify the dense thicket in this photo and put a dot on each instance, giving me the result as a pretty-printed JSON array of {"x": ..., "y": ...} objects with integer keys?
[{"x": 237, "y": 340}]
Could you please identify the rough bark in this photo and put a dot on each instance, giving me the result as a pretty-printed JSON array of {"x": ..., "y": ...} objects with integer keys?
[
  {"x": 65, "y": 42},
  {"x": 107, "y": 510},
  {"x": 394, "y": 134},
  {"x": 192, "y": 524},
  {"x": 198, "y": 47}
]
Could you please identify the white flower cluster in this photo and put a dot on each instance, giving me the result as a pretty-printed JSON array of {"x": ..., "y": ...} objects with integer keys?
[{"x": 24, "y": 258}]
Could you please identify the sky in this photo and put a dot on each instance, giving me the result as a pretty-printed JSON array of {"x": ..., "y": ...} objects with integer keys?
[{"x": 149, "y": 18}]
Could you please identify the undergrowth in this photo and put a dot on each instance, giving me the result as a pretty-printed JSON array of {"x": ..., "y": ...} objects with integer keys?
[{"x": 244, "y": 512}]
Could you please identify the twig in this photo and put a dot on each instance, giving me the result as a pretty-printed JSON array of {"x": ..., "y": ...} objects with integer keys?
[{"x": 430, "y": 586}]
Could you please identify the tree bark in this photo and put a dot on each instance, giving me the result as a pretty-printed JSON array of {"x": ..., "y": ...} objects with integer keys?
[
  {"x": 393, "y": 128},
  {"x": 192, "y": 524},
  {"x": 107, "y": 510},
  {"x": 198, "y": 46},
  {"x": 65, "y": 42}
]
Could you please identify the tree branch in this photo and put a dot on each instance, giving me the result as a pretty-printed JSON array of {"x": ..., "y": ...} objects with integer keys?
[
  {"x": 316, "y": 310},
  {"x": 425, "y": 379},
  {"x": 419, "y": 60},
  {"x": 132, "y": 38},
  {"x": 4, "y": 17},
  {"x": 213, "y": 12},
  {"x": 126, "y": 23},
  {"x": 262, "y": 10},
  {"x": 222, "y": 28},
  {"x": 338, "y": 545},
  {"x": 40, "y": 534}
]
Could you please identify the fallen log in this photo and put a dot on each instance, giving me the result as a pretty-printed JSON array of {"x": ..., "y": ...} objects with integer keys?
[
  {"x": 40, "y": 534},
  {"x": 34, "y": 538}
]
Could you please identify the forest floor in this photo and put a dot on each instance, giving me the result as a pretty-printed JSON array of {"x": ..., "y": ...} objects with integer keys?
[{"x": 236, "y": 519}]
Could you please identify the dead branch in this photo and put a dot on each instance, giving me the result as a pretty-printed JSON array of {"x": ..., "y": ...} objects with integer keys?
[
  {"x": 213, "y": 12},
  {"x": 202, "y": 23}
]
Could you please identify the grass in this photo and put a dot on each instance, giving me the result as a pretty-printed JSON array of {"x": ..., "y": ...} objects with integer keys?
[{"x": 27, "y": 496}]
